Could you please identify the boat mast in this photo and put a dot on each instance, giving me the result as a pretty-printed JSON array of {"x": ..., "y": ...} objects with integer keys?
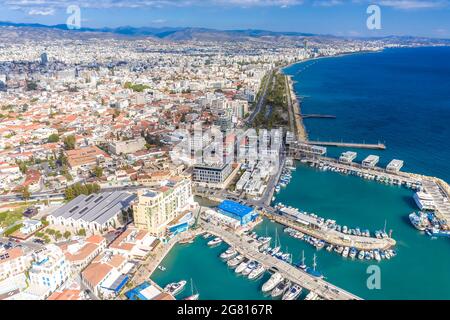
[{"x": 314, "y": 262}]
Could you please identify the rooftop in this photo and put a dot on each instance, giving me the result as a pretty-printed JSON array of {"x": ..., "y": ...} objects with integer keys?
[
  {"x": 95, "y": 208},
  {"x": 235, "y": 208}
]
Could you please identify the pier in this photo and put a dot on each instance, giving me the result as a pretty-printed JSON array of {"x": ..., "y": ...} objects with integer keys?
[
  {"x": 334, "y": 237},
  {"x": 321, "y": 287},
  {"x": 375, "y": 146},
  {"x": 317, "y": 116},
  {"x": 398, "y": 177}
]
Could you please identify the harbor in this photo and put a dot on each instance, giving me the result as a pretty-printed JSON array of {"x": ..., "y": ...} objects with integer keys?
[{"x": 353, "y": 201}]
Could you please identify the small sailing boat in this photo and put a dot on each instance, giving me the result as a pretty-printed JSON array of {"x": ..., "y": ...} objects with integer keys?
[
  {"x": 302, "y": 265},
  {"x": 313, "y": 271},
  {"x": 193, "y": 296}
]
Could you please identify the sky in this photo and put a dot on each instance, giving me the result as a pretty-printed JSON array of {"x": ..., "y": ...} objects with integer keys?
[{"x": 338, "y": 17}]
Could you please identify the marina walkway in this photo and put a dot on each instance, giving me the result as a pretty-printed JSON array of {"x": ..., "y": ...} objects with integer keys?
[
  {"x": 321, "y": 287},
  {"x": 335, "y": 237},
  {"x": 401, "y": 177}
]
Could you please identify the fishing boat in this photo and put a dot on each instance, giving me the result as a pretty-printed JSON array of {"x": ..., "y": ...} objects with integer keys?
[
  {"x": 293, "y": 293},
  {"x": 281, "y": 288},
  {"x": 175, "y": 287},
  {"x": 361, "y": 255},
  {"x": 274, "y": 280},
  {"x": 329, "y": 248},
  {"x": 353, "y": 253},
  {"x": 345, "y": 252},
  {"x": 241, "y": 267},
  {"x": 235, "y": 261},
  {"x": 193, "y": 296},
  {"x": 377, "y": 256},
  {"x": 206, "y": 236},
  {"x": 419, "y": 220},
  {"x": 215, "y": 242},
  {"x": 257, "y": 272}
]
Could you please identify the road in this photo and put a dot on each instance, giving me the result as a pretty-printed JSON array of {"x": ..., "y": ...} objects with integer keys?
[
  {"x": 262, "y": 99},
  {"x": 42, "y": 196}
]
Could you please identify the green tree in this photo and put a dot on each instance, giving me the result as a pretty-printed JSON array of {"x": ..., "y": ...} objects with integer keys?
[
  {"x": 67, "y": 234},
  {"x": 26, "y": 193},
  {"x": 53, "y": 138},
  {"x": 98, "y": 172},
  {"x": 69, "y": 142},
  {"x": 81, "y": 232},
  {"x": 23, "y": 167},
  {"x": 58, "y": 235}
]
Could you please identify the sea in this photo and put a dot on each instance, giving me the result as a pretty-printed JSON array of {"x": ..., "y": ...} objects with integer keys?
[{"x": 400, "y": 97}]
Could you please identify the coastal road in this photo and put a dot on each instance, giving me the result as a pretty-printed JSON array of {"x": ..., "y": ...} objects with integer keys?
[{"x": 262, "y": 99}]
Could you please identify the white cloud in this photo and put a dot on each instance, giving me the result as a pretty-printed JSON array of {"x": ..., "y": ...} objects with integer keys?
[
  {"x": 414, "y": 4},
  {"x": 42, "y": 12}
]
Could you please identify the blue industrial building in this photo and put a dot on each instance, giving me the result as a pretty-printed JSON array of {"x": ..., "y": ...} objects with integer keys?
[{"x": 237, "y": 211}]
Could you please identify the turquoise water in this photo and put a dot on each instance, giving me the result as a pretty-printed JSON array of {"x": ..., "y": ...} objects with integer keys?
[
  {"x": 211, "y": 276},
  {"x": 421, "y": 268}
]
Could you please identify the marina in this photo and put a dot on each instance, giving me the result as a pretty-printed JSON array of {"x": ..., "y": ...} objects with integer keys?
[{"x": 354, "y": 201}]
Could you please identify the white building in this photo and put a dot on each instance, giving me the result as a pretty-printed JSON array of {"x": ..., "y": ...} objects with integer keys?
[{"x": 49, "y": 269}]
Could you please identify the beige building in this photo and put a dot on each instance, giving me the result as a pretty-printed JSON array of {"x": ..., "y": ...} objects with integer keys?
[
  {"x": 12, "y": 262},
  {"x": 157, "y": 207},
  {"x": 126, "y": 147}
]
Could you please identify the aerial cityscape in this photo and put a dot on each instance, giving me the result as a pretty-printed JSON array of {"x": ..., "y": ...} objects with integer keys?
[{"x": 218, "y": 154}]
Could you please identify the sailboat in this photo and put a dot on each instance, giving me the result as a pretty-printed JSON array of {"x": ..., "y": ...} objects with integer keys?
[
  {"x": 277, "y": 247},
  {"x": 193, "y": 296},
  {"x": 312, "y": 271},
  {"x": 303, "y": 265}
]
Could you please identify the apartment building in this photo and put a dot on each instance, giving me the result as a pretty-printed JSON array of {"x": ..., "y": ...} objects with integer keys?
[{"x": 156, "y": 208}]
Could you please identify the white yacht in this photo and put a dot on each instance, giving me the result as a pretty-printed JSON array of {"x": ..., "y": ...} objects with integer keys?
[
  {"x": 257, "y": 272},
  {"x": 312, "y": 296},
  {"x": 175, "y": 288},
  {"x": 345, "y": 252},
  {"x": 242, "y": 266},
  {"x": 230, "y": 253},
  {"x": 281, "y": 288},
  {"x": 214, "y": 242},
  {"x": 293, "y": 293},
  {"x": 274, "y": 280},
  {"x": 424, "y": 201},
  {"x": 361, "y": 255},
  {"x": 250, "y": 267},
  {"x": 235, "y": 261}
]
